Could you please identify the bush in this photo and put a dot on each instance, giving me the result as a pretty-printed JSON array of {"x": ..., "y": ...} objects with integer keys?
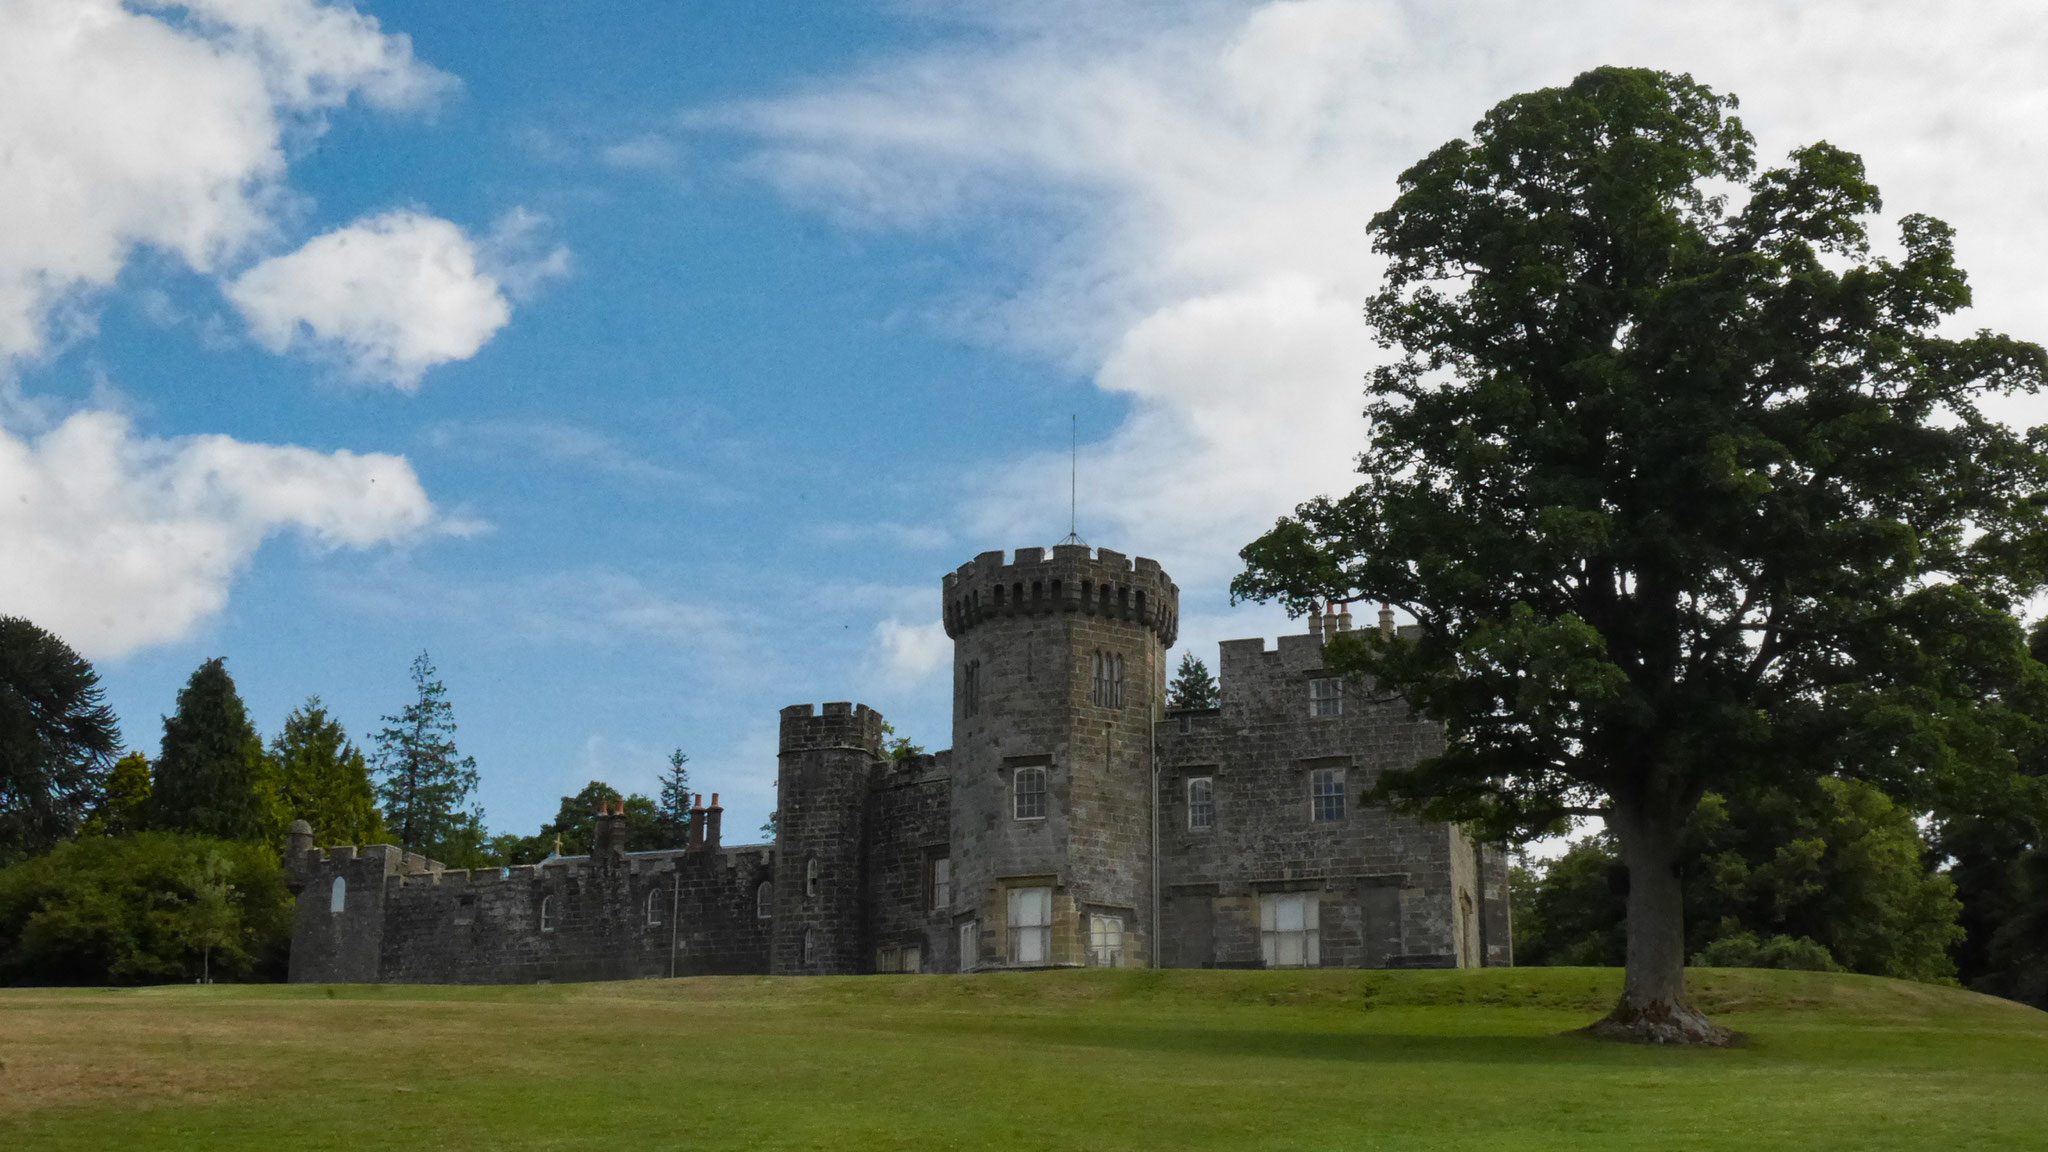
[
  {"x": 147, "y": 909},
  {"x": 1744, "y": 950}
]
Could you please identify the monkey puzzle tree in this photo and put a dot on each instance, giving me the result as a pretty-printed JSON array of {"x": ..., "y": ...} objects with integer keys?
[
  {"x": 1682, "y": 486},
  {"x": 57, "y": 738}
]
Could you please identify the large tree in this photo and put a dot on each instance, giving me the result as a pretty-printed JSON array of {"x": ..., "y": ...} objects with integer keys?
[
  {"x": 673, "y": 803},
  {"x": 1683, "y": 486},
  {"x": 211, "y": 775},
  {"x": 424, "y": 783},
  {"x": 323, "y": 779},
  {"x": 57, "y": 738},
  {"x": 1192, "y": 686}
]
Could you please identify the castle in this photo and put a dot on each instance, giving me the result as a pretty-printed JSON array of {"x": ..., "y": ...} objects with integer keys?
[{"x": 1074, "y": 822}]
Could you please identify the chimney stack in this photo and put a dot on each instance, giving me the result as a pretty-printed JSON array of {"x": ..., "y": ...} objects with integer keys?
[
  {"x": 1386, "y": 619},
  {"x": 696, "y": 821},
  {"x": 608, "y": 836},
  {"x": 712, "y": 816},
  {"x": 1315, "y": 621}
]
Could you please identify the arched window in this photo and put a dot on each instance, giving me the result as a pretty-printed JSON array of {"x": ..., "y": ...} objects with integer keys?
[
  {"x": 811, "y": 876},
  {"x": 810, "y": 947},
  {"x": 1030, "y": 794},
  {"x": 337, "y": 897},
  {"x": 547, "y": 913},
  {"x": 764, "y": 901},
  {"x": 654, "y": 908},
  {"x": 1098, "y": 669},
  {"x": 1116, "y": 682}
]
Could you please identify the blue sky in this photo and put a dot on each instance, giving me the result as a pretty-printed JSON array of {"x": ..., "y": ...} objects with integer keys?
[{"x": 647, "y": 363}]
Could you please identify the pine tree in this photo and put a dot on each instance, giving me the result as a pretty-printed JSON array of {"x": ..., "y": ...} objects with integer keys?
[
  {"x": 674, "y": 804},
  {"x": 423, "y": 783},
  {"x": 1192, "y": 686},
  {"x": 122, "y": 807},
  {"x": 57, "y": 738},
  {"x": 323, "y": 779},
  {"x": 211, "y": 775}
]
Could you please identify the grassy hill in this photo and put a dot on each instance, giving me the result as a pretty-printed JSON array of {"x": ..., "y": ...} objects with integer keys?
[{"x": 1075, "y": 1060}]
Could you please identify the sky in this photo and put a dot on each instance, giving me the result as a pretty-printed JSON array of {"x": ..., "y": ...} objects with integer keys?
[{"x": 647, "y": 364}]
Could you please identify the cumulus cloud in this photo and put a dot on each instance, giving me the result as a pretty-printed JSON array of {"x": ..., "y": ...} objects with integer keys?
[
  {"x": 389, "y": 296},
  {"x": 1207, "y": 172},
  {"x": 908, "y": 654},
  {"x": 117, "y": 541},
  {"x": 162, "y": 125}
]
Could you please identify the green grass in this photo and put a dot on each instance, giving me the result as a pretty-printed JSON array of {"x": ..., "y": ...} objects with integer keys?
[{"x": 1094, "y": 1060}]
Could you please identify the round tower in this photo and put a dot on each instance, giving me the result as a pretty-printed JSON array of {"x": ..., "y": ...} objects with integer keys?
[
  {"x": 821, "y": 797},
  {"x": 1059, "y": 669}
]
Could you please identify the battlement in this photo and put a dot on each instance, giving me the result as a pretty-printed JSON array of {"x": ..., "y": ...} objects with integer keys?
[
  {"x": 1073, "y": 578},
  {"x": 839, "y": 724}
]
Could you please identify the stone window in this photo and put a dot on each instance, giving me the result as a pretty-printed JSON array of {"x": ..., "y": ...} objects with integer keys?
[
  {"x": 1326, "y": 696},
  {"x": 1201, "y": 804},
  {"x": 913, "y": 958},
  {"x": 654, "y": 908},
  {"x": 1030, "y": 794},
  {"x": 1289, "y": 933},
  {"x": 889, "y": 960},
  {"x": 1116, "y": 681},
  {"x": 970, "y": 687},
  {"x": 810, "y": 947},
  {"x": 1030, "y": 925},
  {"x": 764, "y": 901},
  {"x": 970, "y": 945},
  {"x": 1105, "y": 941},
  {"x": 811, "y": 876},
  {"x": 941, "y": 884},
  {"x": 337, "y": 896},
  {"x": 547, "y": 913},
  {"x": 1326, "y": 794},
  {"x": 1098, "y": 691}
]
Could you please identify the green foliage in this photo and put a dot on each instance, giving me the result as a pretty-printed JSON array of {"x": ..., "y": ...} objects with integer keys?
[
  {"x": 1684, "y": 497},
  {"x": 674, "y": 802},
  {"x": 1840, "y": 867},
  {"x": 57, "y": 738},
  {"x": 1744, "y": 950},
  {"x": 212, "y": 778},
  {"x": 323, "y": 779},
  {"x": 771, "y": 827},
  {"x": 144, "y": 909},
  {"x": 1192, "y": 686},
  {"x": 423, "y": 783},
  {"x": 575, "y": 821},
  {"x": 124, "y": 804},
  {"x": 898, "y": 747}
]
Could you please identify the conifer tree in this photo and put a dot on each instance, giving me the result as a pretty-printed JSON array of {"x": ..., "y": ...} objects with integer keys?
[
  {"x": 423, "y": 783},
  {"x": 57, "y": 738},
  {"x": 323, "y": 779},
  {"x": 125, "y": 801},
  {"x": 1192, "y": 686},
  {"x": 211, "y": 775},
  {"x": 674, "y": 802}
]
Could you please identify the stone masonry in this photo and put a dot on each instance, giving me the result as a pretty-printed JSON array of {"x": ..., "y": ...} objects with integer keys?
[{"x": 1074, "y": 822}]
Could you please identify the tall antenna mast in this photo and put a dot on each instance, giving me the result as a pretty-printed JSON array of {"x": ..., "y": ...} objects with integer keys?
[{"x": 1074, "y": 482}]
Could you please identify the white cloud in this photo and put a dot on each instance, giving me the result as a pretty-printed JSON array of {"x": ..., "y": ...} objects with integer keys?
[
  {"x": 648, "y": 152},
  {"x": 908, "y": 654},
  {"x": 389, "y": 295},
  {"x": 1208, "y": 171},
  {"x": 117, "y": 541},
  {"x": 128, "y": 129}
]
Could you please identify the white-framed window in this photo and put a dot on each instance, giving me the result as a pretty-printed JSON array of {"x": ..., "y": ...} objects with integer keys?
[
  {"x": 1326, "y": 696},
  {"x": 337, "y": 896},
  {"x": 764, "y": 901},
  {"x": 1116, "y": 681},
  {"x": 1030, "y": 925},
  {"x": 1289, "y": 929},
  {"x": 811, "y": 872},
  {"x": 1201, "y": 803},
  {"x": 1326, "y": 794},
  {"x": 1029, "y": 790},
  {"x": 889, "y": 960},
  {"x": 1105, "y": 941},
  {"x": 970, "y": 945},
  {"x": 654, "y": 908},
  {"x": 810, "y": 947},
  {"x": 941, "y": 884},
  {"x": 1098, "y": 691},
  {"x": 547, "y": 913}
]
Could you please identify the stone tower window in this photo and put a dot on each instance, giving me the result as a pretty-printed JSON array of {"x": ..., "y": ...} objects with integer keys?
[
  {"x": 1289, "y": 932},
  {"x": 811, "y": 871},
  {"x": 654, "y": 908},
  {"x": 810, "y": 947},
  {"x": 337, "y": 896},
  {"x": 764, "y": 901},
  {"x": 1326, "y": 794},
  {"x": 970, "y": 687},
  {"x": 547, "y": 913},
  {"x": 1201, "y": 804},
  {"x": 1030, "y": 794},
  {"x": 1030, "y": 925},
  {"x": 1116, "y": 681},
  {"x": 1099, "y": 679},
  {"x": 941, "y": 884},
  {"x": 1326, "y": 696}
]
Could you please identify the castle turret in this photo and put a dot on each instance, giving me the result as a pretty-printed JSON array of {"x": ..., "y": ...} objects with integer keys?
[
  {"x": 1059, "y": 669},
  {"x": 822, "y": 785}
]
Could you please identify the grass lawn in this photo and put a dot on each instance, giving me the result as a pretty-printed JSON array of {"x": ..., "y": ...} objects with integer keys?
[{"x": 1066, "y": 1060}]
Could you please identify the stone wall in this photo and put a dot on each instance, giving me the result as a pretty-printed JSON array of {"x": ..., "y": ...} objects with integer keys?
[
  {"x": 908, "y": 822},
  {"x": 822, "y": 781}
]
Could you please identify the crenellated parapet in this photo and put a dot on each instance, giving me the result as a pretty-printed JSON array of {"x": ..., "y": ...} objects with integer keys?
[{"x": 1072, "y": 578}]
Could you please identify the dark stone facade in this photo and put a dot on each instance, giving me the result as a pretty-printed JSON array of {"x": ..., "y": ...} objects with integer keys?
[{"x": 1056, "y": 832}]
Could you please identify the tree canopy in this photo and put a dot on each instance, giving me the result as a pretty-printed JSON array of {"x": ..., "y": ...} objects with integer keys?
[
  {"x": 1192, "y": 686},
  {"x": 424, "y": 783},
  {"x": 323, "y": 779},
  {"x": 58, "y": 738},
  {"x": 211, "y": 777},
  {"x": 1684, "y": 486}
]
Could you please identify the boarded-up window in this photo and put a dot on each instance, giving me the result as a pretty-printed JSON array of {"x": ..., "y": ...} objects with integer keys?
[
  {"x": 1105, "y": 941},
  {"x": 337, "y": 896},
  {"x": 1030, "y": 792},
  {"x": 913, "y": 958},
  {"x": 1289, "y": 932},
  {"x": 1030, "y": 925}
]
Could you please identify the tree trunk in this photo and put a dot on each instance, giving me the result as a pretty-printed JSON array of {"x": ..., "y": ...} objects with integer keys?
[{"x": 1653, "y": 1007}]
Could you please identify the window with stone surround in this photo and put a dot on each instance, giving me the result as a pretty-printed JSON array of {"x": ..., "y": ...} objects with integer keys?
[
  {"x": 1030, "y": 794},
  {"x": 970, "y": 945},
  {"x": 940, "y": 884},
  {"x": 811, "y": 871},
  {"x": 1030, "y": 925},
  {"x": 654, "y": 908},
  {"x": 1201, "y": 803},
  {"x": 1326, "y": 794},
  {"x": 1290, "y": 933},
  {"x": 810, "y": 947},
  {"x": 1098, "y": 690},
  {"x": 547, "y": 913},
  {"x": 337, "y": 896},
  {"x": 1326, "y": 696},
  {"x": 1105, "y": 941},
  {"x": 1116, "y": 681},
  {"x": 764, "y": 901}
]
